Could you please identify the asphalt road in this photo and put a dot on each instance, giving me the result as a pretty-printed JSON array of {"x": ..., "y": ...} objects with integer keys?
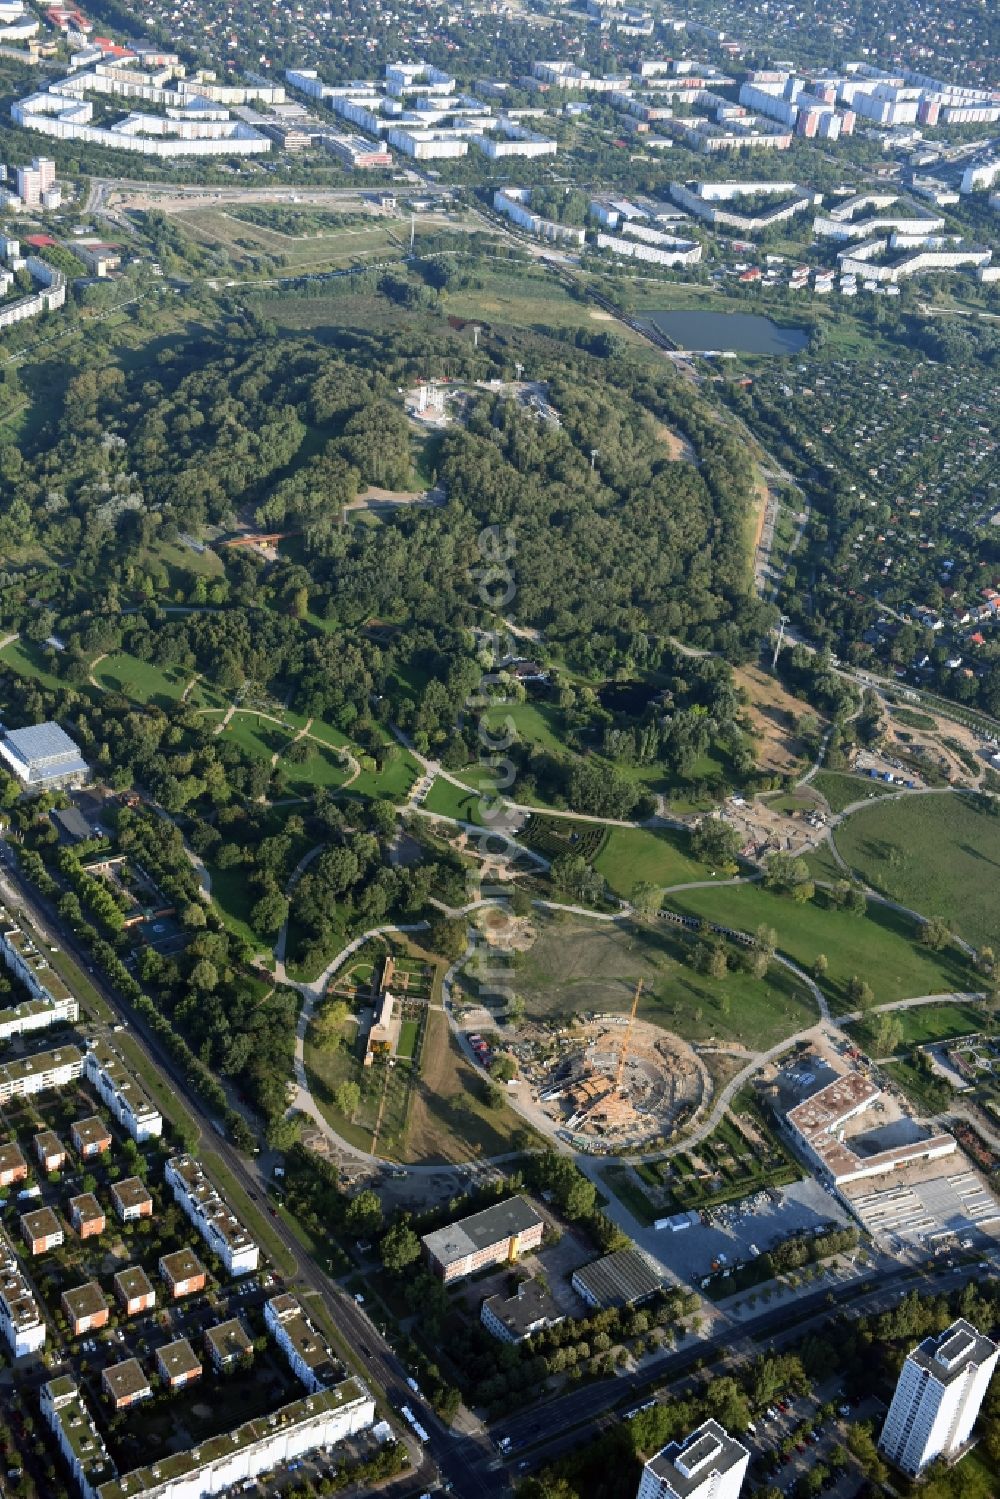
[
  {"x": 464, "y": 1462},
  {"x": 596, "y": 1406}
]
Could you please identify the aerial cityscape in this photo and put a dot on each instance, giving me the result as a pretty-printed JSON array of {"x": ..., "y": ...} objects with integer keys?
[{"x": 500, "y": 749}]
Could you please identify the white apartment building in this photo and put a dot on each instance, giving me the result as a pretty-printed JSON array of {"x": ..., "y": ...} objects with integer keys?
[
  {"x": 218, "y": 1225},
  {"x": 682, "y": 252},
  {"x": 67, "y": 1416},
  {"x": 940, "y": 1389},
  {"x": 514, "y": 203},
  {"x": 20, "y": 1320},
  {"x": 35, "y": 180},
  {"x": 103, "y": 1067},
  {"x": 51, "y": 1002},
  {"x": 24, "y": 1076},
  {"x": 309, "y": 1357},
  {"x": 709, "y": 1464}
]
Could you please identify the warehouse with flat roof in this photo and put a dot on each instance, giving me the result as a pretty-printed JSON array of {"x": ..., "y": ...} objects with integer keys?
[{"x": 621, "y": 1279}]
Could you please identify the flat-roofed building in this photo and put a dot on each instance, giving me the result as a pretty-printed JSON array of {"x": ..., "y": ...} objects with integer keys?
[
  {"x": 13, "y": 1166},
  {"x": 69, "y": 1419},
  {"x": 940, "y": 1389},
  {"x": 514, "y": 1318},
  {"x": 178, "y": 1364},
  {"x": 228, "y": 1343},
  {"x": 117, "y": 1088},
  {"x": 132, "y": 1199},
  {"x": 135, "y": 1290},
  {"x": 495, "y": 1236},
  {"x": 49, "y": 1150},
  {"x": 183, "y": 1272},
  {"x": 126, "y": 1384},
  {"x": 218, "y": 1225},
  {"x": 309, "y": 1357},
  {"x": 90, "y": 1136},
  {"x": 23, "y": 1077},
  {"x": 226, "y": 1462},
  {"x": 709, "y": 1464},
  {"x": 43, "y": 758},
  {"x": 86, "y": 1215},
  {"x": 86, "y": 1308},
  {"x": 624, "y": 1278},
  {"x": 20, "y": 1320},
  {"x": 41, "y": 1230},
  {"x": 819, "y": 1123}
]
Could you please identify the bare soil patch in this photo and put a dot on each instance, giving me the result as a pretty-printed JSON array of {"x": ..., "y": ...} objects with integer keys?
[{"x": 773, "y": 713}]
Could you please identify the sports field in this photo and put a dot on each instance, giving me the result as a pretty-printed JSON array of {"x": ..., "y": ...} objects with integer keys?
[
  {"x": 881, "y": 947},
  {"x": 578, "y": 966},
  {"x": 940, "y": 855}
]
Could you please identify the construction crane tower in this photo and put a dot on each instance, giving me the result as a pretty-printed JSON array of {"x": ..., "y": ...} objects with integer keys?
[{"x": 623, "y": 1054}]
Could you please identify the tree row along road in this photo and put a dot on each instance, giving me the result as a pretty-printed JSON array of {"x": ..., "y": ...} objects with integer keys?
[{"x": 467, "y": 1462}]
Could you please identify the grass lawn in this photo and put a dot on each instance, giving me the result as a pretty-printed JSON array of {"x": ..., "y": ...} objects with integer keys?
[
  {"x": 261, "y": 738},
  {"x": 927, "y": 1023},
  {"x": 939, "y": 855},
  {"x": 534, "y": 723},
  {"x": 841, "y": 790},
  {"x": 578, "y": 966},
  {"x": 823, "y": 865},
  {"x": 392, "y": 783},
  {"x": 141, "y": 680},
  {"x": 659, "y": 855},
  {"x": 880, "y": 947},
  {"x": 408, "y": 1032},
  {"x": 323, "y": 768},
  {"x": 451, "y": 801},
  {"x": 233, "y": 899},
  {"x": 29, "y": 660}
]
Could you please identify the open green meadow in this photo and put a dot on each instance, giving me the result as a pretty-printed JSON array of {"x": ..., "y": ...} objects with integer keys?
[
  {"x": 141, "y": 680},
  {"x": 939, "y": 855},
  {"x": 841, "y": 790},
  {"x": 578, "y": 966},
  {"x": 925, "y": 1024},
  {"x": 29, "y": 660},
  {"x": 881, "y": 947},
  {"x": 659, "y": 855}
]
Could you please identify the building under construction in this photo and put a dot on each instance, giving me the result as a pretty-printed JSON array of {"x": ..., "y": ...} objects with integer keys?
[{"x": 629, "y": 1082}]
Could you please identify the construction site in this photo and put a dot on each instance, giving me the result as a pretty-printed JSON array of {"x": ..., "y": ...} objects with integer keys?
[{"x": 625, "y": 1083}]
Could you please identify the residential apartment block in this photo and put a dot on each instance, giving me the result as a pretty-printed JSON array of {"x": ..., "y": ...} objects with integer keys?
[
  {"x": 68, "y": 1417},
  {"x": 228, "y": 1343},
  {"x": 215, "y": 1221},
  {"x": 128, "y": 1102},
  {"x": 50, "y": 1003},
  {"x": 86, "y": 1215},
  {"x": 938, "y": 1395},
  {"x": 20, "y": 1320},
  {"x": 41, "y": 1231},
  {"x": 496, "y": 1236},
  {"x": 13, "y": 1166},
  {"x": 50, "y": 1150},
  {"x": 86, "y": 1308},
  {"x": 24, "y": 1076},
  {"x": 91, "y": 1137},
  {"x": 709, "y": 1464},
  {"x": 135, "y": 1290},
  {"x": 183, "y": 1272},
  {"x": 126, "y": 1384},
  {"x": 132, "y": 1199},
  {"x": 307, "y": 1353},
  {"x": 178, "y": 1364}
]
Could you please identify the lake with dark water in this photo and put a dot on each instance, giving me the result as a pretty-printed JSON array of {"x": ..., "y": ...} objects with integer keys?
[{"x": 728, "y": 332}]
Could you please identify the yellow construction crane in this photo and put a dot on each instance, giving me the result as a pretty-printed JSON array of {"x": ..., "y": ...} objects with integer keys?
[{"x": 623, "y": 1054}]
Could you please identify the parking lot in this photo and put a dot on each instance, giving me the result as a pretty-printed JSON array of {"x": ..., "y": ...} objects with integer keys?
[
  {"x": 740, "y": 1230},
  {"x": 803, "y": 1433}
]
